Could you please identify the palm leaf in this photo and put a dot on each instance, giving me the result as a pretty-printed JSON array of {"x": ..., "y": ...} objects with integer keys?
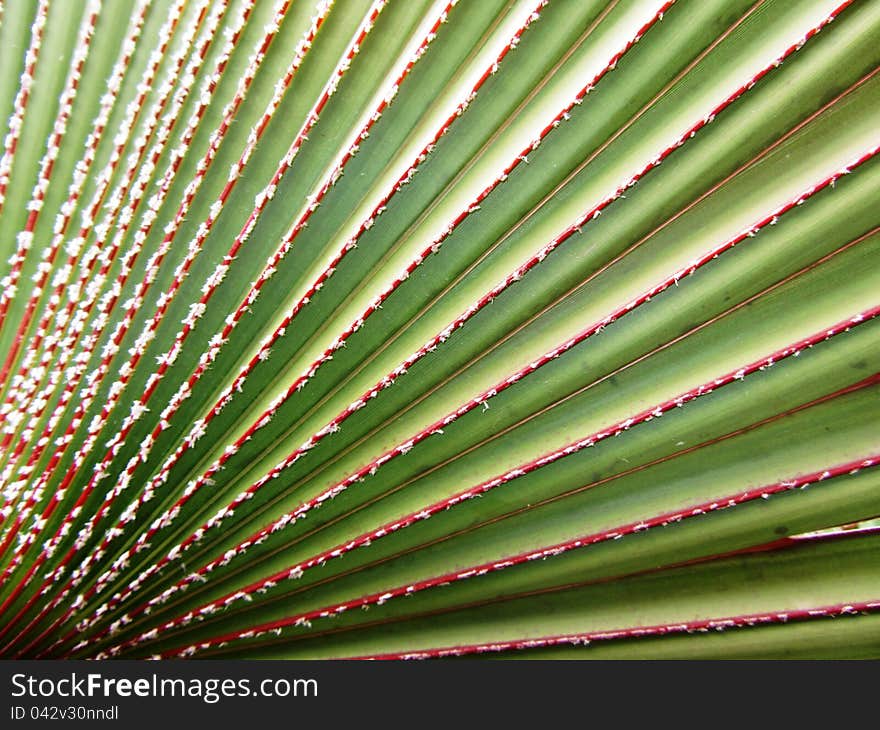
[{"x": 372, "y": 328}]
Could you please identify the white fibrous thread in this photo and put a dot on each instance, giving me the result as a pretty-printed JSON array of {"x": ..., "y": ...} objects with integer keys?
[
  {"x": 332, "y": 427},
  {"x": 67, "y": 209},
  {"x": 84, "y": 305},
  {"x": 245, "y": 82},
  {"x": 517, "y": 275},
  {"x": 137, "y": 409},
  {"x": 19, "y": 105},
  {"x": 53, "y": 147},
  {"x": 86, "y": 33},
  {"x": 226, "y": 511},
  {"x": 237, "y": 382},
  {"x": 478, "y": 570},
  {"x": 75, "y": 247},
  {"x": 263, "y": 199},
  {"x": 586, "y": 442}
]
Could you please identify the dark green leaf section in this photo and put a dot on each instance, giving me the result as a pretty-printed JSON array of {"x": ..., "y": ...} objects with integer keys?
[{"x": 838, "y": 578}]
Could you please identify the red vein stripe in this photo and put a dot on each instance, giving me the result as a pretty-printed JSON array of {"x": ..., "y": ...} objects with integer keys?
[
  {"x": 865, "y": 383},
  {"x": 10, "y": 144},
  {"x": 330, "y": 428},
  {"x": 66, "y": 334},
  {"x": 198, "y": 57},
  {"x": 350, "y": 244},
  {"x": 228, "y": 117},
  {"x": 717, "y": 624},
  {"x": 324, "y": 187},
  {"x": 138, "y": 175},
  {"x": 647, "y": 414},
  {"x": 221, "y": 339},
  {"x": 397, "y": 187},
  {"x": 125, "y": 214},
  {"x": 28, "y": 538},
  {"x": 263, "y": 199},
  {"x": 182, "y": 270},
  {"x": 706, "y": 121},
  {"x": 86, "y": 397},
  {"x": 379, "y": 598},
  {"x": 328, "y": 90},
  {"x": 67, "y": 209},
  {"x": 588, "y": 160},
  {"x": 133, "y": 111},
  {"x": 609, "y": 432},
  {"x": 149, "y": 217},
  {"x": 769, "y": 219},
  {"x": 38, "y": 196},
  {"x": 332, "y": 177},
  {"x": 488, "y": 72},
  {"x": 194, "y": 249},
  {"x": 715, "y": 187},
  {"x": 775, "y": 545},
  {"x": 88, "y": 217},
  {"x": 299, "y": 382}
]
